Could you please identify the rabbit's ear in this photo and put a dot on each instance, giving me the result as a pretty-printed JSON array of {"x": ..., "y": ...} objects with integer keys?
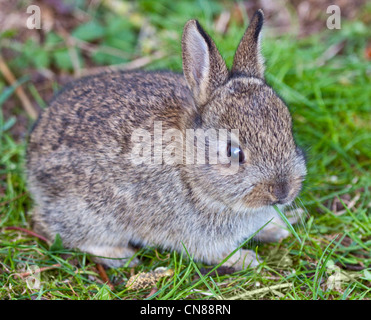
[
  {"x": 203, "y": 66},
  {"x": 248, "y": 59}
]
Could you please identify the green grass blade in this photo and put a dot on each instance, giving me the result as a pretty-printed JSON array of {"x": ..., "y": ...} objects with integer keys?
[{"x": 288, "y": 224}]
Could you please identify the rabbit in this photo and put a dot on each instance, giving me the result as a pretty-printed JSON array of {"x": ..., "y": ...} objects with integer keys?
[{"x": 87, "y": 189}]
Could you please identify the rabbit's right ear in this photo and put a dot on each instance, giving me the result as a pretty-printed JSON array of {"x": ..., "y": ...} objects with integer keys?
[
  {"x": 203, "y": 66},
  {"x": 248, "y": 59}
]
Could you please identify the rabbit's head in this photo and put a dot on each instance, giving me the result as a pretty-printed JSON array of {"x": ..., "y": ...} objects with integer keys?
[{"x": 271, "y": 167}]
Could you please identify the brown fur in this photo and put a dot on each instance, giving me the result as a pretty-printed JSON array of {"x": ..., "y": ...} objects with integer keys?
[{"x": 87, "y": 189}]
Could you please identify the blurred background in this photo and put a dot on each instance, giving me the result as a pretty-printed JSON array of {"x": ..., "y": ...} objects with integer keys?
[
  {"x": 79, "y": 37},
  {"x": 323, "y": 74}
]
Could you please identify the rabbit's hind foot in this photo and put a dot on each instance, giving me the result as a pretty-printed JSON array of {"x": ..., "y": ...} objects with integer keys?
[{"x": 112, "y": 257}]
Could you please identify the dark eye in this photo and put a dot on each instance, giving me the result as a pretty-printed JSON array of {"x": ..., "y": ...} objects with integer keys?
[{"x": 235, "y": 152}]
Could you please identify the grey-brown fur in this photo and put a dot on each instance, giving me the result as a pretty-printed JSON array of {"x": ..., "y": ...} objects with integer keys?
[{"x": 87, "y": 189}]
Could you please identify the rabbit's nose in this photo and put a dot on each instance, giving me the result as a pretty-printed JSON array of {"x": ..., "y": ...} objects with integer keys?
[{"x": 279, "y": 192}]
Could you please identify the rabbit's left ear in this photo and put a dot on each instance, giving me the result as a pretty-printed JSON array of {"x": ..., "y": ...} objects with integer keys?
[
  {"x": 203, "y": 66},
  {"x": 248, "y": 59}
]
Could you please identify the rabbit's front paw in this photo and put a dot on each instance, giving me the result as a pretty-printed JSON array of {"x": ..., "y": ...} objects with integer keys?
[
  {"x": 243, "y": 259},
  {"x": 276, "y": 230},
  {"x": 272, "y": 233}
]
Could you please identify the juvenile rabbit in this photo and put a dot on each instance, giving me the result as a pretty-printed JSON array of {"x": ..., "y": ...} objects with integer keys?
[{"x": 88, "y": 189}]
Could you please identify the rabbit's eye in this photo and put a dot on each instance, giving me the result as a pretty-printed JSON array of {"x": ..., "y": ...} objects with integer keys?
[{"x": 235, "y": 152}]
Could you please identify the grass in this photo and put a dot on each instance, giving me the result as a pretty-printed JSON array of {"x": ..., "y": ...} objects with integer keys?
[{"x": 330, "y": 101}]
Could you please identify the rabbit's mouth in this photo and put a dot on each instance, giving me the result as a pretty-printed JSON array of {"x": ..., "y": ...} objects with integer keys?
[
  {"x": 263, "y": 195},
  {"x": 242, "y": 207}
]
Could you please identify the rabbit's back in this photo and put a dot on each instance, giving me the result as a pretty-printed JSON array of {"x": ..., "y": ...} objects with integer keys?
[{"x": 98, "y": 112}]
